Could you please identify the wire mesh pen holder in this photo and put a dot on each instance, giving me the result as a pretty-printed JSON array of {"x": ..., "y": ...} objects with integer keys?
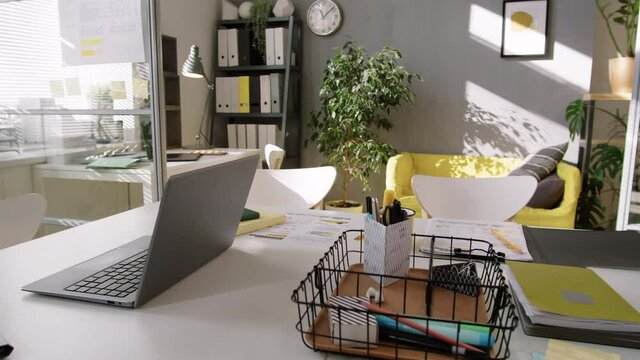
[
  {"x": 387, "y": 250},
  {"x": 340, "y": 273}
]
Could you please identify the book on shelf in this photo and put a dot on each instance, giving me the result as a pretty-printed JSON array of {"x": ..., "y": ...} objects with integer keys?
[
  {"x": 570, "y": 297},
  {"x": 243, "y": 94},
  {"x": 250, "y": 94},
  {"x": 253, "y": 136},
  {"x": 241, "y": 130},
  {"x": 265, "y": 94},
  {"x": 275, "y": 80},
  {"x": 223, "y": 59},
  {"x": 280, "y": 36},
  {"x": 269, "y": 46},
  {"x": 232, "y": 47}
]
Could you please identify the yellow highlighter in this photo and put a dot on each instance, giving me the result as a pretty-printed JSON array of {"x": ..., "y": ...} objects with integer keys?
[{"x": 504, "y": 240}]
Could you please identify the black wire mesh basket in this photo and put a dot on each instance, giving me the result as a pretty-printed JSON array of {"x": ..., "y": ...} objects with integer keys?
[{"x": 460, "y": 309}]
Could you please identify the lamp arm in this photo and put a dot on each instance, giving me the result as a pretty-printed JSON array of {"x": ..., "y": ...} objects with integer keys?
[
  {"x": 209, "y": 83},
  {"x": 205, "y": 116}
]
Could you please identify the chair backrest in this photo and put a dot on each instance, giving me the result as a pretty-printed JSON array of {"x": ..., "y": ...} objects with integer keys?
[
  {"x": 291, "y": 188},
  {"x": 274, "y": 156},
  {"x": 20, "y": 218},
  {"x": 483, "y": 199}
]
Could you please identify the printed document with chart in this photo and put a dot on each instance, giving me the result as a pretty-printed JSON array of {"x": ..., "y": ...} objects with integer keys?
[{"x": 506, "y": 237}]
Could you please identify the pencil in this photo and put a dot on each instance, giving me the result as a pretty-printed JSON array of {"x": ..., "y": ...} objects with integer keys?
[
  {"x": 504, "y": 240},
  {"x": 419, "y": 327}
]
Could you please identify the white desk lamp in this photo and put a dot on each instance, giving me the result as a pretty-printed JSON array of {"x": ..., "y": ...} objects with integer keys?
[{"x": 193, "y": 68}]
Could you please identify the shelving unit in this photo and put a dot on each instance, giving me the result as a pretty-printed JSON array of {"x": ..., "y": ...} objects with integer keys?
[
  {"x": 171, "y": 92},
  {"x": 289, "y": 120}
]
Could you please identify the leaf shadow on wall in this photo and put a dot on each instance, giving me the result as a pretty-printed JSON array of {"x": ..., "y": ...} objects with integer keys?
[{"x": 490, "y": 134}]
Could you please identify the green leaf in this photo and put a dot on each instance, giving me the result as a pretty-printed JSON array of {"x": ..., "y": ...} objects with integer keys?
[{"x": 574, "y": 116}]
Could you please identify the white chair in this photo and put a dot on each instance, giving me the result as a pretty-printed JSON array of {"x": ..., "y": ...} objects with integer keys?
[
  {"x": 20, "y": 218},
  {"x": 291, "y": 188},
  {"x": 483, "y": 199},
  {"x": 274, "y": 156}
]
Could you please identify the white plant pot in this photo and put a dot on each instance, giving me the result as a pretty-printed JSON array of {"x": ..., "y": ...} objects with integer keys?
[
  {"x": 283, "y": 8},
  {"x": 245, "y": 10},
  {"x": 621, "y": 75},
  {"x": 229, "y": 10},
  {"x": 357, "y": 208}
]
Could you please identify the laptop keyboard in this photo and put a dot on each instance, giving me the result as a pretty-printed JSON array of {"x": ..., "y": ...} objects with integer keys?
[{"x": 118, "y": 280}]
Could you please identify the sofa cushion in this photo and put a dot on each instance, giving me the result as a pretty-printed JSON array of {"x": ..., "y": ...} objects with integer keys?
[
  {"x": 542, "y": 163},
  {"x": 548, "y": 193}
]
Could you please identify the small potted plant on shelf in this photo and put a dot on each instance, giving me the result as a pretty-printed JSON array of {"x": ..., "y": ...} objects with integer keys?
[
  {"x": 621, "y": 68},
  {"x": 259, "y": 13},
  {"x": 356, "y": 96}
]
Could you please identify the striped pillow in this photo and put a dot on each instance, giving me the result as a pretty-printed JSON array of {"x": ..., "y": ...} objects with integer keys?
[{"x": 542, "y": 163}]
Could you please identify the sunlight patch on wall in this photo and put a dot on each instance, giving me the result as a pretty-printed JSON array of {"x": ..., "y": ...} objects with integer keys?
[
  {"x": 567, "y": 66},
  {"x": 498, "y": 127}
]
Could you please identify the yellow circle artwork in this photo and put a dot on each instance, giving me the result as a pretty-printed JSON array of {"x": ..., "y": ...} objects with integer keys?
[{"x": 521, "y": 21}]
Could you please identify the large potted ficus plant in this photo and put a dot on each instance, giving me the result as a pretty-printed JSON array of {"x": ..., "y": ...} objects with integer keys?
[
  {"x": 623, "y": 13},
  {"x": 357, "y": 94},
  {"x": 604, "y": 168}
]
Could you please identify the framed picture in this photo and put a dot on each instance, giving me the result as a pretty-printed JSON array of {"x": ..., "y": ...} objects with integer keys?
[{"x": 524, "y": 28}]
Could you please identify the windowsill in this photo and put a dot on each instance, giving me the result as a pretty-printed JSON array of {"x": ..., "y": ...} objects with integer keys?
[{"x": 13, "y": 159}]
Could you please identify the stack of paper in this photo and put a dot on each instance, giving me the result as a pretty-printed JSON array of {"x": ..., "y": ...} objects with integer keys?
[{"x": 570, "y": 297}]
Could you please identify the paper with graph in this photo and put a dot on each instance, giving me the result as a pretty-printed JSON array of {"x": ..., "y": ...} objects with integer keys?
[{"x": 506, "y": 237}]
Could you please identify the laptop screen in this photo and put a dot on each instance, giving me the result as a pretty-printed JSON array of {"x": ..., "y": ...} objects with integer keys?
[{"x": 198, "y": 217}]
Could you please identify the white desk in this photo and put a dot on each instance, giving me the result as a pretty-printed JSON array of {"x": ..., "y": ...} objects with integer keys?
[
  {"x": 236, "y": 307},
  {"x": 142, "y": 174}
]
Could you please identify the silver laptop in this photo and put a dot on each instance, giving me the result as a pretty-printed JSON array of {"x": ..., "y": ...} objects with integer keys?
[{"x": 197, "y": 220}]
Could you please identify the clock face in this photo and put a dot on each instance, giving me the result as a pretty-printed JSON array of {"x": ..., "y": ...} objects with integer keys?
[{"x": 324, "y": 17}]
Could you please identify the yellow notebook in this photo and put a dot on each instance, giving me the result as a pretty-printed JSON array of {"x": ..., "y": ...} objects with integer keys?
[
  {"x": 571, "y": 291},
  {"x": 243, "y": 94},
  {"x": 266, "y": 219}
]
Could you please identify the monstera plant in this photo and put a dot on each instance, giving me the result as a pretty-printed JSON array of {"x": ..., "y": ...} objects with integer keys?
[{"x": 604, "y": 167}]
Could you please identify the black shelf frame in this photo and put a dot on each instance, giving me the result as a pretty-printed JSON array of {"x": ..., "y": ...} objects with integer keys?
[
  {"x": 289, "y": 121},
  {"x": 272, "y": 20}
]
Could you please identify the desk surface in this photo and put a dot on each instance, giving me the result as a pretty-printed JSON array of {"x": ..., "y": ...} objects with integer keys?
[{"x": 236, "y": 307}]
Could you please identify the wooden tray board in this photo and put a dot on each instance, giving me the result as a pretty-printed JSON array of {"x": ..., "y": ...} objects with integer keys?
[{"x": 442, "y": 307}]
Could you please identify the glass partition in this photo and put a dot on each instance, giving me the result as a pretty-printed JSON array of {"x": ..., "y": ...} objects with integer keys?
[{"x": 76, "y": 106}]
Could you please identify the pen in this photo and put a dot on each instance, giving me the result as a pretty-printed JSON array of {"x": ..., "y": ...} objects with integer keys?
[
  {"x": 376, "y": 209},
  {"x": 504, "y": 240},
  {"x": 425, "y": 330}
]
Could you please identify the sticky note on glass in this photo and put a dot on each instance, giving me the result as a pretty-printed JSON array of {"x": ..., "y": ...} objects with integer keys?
[
  {"x": 140, "y": 88},
  {"x": 562, "y": 350},
  {"x": 57, "y": 88},
  {"x": 118, "y": 90},
  {"x": 72, "y": 86}
]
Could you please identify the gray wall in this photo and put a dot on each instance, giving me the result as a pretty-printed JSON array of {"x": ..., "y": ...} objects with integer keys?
[
  {"x": 191, "y": 22},
  {"x": 471, "y": 101}
]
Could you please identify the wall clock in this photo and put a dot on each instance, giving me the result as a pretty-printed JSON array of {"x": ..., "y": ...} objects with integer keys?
[{"x": 324, "y": 17}]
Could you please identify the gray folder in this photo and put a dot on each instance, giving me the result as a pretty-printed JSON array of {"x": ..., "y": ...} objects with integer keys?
[
  {"x": 276, "y": 92},
  {"x": 618, "y": 249}
]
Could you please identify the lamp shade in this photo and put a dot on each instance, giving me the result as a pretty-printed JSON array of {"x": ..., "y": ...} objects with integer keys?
[{"x": 192, "y": 67}]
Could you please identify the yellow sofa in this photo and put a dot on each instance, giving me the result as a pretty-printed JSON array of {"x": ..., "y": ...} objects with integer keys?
[{"x": 402, "y": 167}]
